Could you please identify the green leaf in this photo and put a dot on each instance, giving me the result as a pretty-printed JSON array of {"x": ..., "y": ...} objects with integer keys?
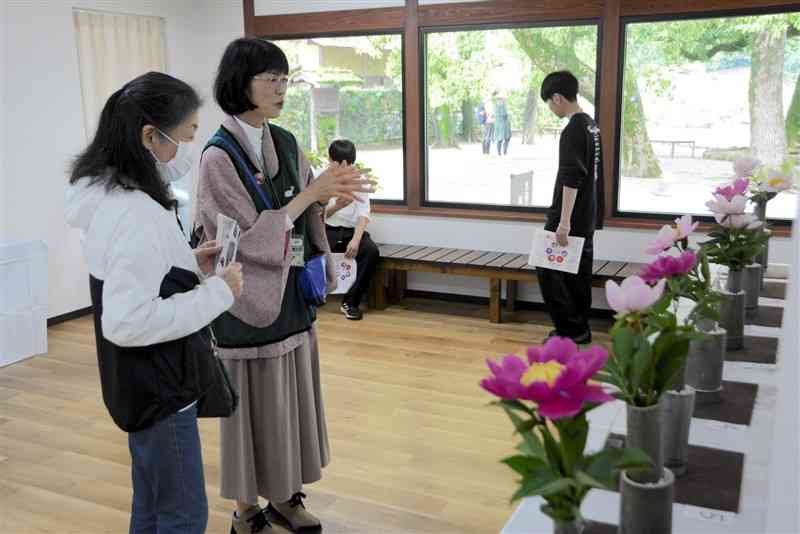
[
  {"x": 557, "y": 513},
  {"x": 521, "y": 425},
  {"x": 633, "y": 458},
  {"x": 600, "y": 469},
  {"x": 587, "y": 480},
  {"x": 544, "y": 486},
  {"x": 573, "y": 432},
  {"x": 553, "y": 451},
  {"x": 642, "y": 363},
  {"x": 526, "y": 465},
  {"x": 624, "y": 339},
  {"x": 514, "y": 405},
  {"x": 532, "y": 446},
  {"x": 669, "y": 351}
]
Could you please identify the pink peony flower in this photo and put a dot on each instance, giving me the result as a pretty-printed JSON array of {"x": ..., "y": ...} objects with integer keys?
[
  {"x": 667, "y": 235},
  {"x": 633, "y": 295},
  {"x": 669, "y": 267},
  {"x": 556, "y": 378},
  {"x": 738, "y": 187},
  {"x": 685, "y": 226},
  {"x": 745, "y": 167},
  {"x": 506, "y": 380},
  {"x": 724, "y": 206},
  {"x": 665, "y": 238},
  {"x": 738, "y": 221}
]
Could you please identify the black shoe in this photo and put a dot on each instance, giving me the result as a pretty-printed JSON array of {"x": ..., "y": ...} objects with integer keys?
[
  {"x": 551, "y": 333},
  {"x": 582, "y": 339},
  {"x": 351, "y": 312}
]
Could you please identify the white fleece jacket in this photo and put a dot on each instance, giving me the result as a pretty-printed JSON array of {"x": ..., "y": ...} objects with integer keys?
[{"x": 131, "y": 242}]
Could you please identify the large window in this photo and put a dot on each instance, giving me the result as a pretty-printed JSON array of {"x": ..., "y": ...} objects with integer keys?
[
  {"x": 697, "y": 94},
  {"x": 489, "y": 139},
  {"x": 349, "y": 87}
]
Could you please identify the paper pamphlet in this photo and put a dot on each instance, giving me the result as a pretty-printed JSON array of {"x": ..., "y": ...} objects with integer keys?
[
  {"x": 547, "y": 253},
  {"x": 346, "y": 270},
  {"x": 228, "y": 238}
]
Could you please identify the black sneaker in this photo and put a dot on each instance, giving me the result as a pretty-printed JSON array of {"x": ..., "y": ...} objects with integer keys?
[
  {"x": 551, "y": 333},
  {"x": 582, "y": 339},
  {"x": 351, "y": 312}
]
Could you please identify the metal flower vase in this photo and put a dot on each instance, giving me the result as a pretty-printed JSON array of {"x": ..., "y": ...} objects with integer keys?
[
  {"x": 732, "y": 310},
  {"x": 753, "y": 276},
  {"x": 676, "y": 420},
  {"x": 576, "y": 526},
  {"x": 705, "y": 361},
  {"x": 760, "y": 211},
  {"x": 646, "y": 507}
]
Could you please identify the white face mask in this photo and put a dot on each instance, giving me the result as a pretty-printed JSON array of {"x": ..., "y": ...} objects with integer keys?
[{"x": 178, "y": 166}]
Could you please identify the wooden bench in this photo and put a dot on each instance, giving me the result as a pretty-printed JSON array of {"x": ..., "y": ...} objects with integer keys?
[
  {"x": 396, "y": 261},
  {"x": 690, "y": 144}
]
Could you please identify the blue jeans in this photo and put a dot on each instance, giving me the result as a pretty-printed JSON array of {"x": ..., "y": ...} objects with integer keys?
[{"x": 169, "y": 492}]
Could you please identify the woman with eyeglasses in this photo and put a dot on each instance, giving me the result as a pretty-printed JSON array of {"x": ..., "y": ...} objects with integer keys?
[
  {"x": 147, "y": 294},
  {"x": 255, "y": 173}
]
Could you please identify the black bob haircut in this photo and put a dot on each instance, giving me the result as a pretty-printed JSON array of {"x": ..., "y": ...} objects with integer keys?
[
  {"x": 562, "y": 82},
  {"x": 342, "y": 150},
  {"x": 243, "y": 59}
]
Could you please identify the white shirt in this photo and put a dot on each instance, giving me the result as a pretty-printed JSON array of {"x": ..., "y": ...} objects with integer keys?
[
  {"x": 348, "y": 216},
  {"x": 255, "y": 136}
]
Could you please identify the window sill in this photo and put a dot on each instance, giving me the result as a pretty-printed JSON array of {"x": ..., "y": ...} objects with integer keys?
[{"x": 530, "y": 217}]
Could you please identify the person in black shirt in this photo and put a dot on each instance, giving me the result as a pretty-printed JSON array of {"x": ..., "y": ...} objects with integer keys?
[{"x": 576, "y": 210}]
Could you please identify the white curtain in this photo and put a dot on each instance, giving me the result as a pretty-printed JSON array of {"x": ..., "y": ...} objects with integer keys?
[{"x": 112, "y": 50}]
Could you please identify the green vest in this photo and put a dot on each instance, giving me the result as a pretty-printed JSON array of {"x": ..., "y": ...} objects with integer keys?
[{"x": 295, "y": 315}]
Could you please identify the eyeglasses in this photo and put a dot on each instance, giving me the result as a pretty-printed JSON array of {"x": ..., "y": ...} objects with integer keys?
[{"x": 273, "y": 81}]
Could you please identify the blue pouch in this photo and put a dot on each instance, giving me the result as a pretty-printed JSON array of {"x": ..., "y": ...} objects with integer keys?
[{"x": 313, "y": 282}]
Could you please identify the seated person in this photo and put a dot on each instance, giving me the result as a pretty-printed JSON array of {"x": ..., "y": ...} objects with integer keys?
[{"x": 346, "y": 224}]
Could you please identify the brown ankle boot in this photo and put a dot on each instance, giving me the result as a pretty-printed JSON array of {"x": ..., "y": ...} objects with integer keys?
[{"x": 293, "y": 515}]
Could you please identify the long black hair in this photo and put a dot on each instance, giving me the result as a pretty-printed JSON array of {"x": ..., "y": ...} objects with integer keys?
[{"x": 116, "y": 155}]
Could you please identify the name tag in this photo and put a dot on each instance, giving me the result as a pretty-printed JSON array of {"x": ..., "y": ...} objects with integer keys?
[{"x": 298, "y": 251}]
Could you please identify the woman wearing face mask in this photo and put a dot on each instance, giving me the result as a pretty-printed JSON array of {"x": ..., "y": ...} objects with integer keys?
[
  {"x": 119, "y": 198},
  {"x": 254, "y": 172}
]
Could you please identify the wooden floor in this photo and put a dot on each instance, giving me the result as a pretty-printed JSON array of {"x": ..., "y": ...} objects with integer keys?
[{"x": 414, "y": 447}]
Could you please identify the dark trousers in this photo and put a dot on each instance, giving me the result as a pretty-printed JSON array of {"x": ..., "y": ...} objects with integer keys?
[
  {"x": 502, "y": 146},
  {"x": 169, "y": 491},
  {"x": 488, "y": 133},
  {"x": 366, "y": 260},
  {"x": 567, "y": 296}
]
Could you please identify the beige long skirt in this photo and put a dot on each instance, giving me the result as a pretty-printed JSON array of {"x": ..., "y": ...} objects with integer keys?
[{"x": 277, "y": 439}]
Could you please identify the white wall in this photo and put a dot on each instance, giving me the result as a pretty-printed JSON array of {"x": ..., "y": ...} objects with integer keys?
[
  {"x": 44, "y": 124},
  {"x": 3, "y": 123}
]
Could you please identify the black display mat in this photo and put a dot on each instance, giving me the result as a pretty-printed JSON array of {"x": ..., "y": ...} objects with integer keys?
[
  {"x": 771, "y": 316},
  {"x": 756, "y": 350},
  {"x": 736, "y": 406},
  {"x": 593, "y": 527},
  {"x": 713, "y": 477},
  {"x": 774, "y": 290}
]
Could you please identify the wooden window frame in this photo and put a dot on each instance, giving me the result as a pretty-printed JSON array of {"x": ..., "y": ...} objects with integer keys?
[{"x": 412, "y": 18}]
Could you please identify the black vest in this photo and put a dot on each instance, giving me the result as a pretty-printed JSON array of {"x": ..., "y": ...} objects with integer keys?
[
  {"x": 295, "y": 315},
  {"x": 142, "y": 385}
]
